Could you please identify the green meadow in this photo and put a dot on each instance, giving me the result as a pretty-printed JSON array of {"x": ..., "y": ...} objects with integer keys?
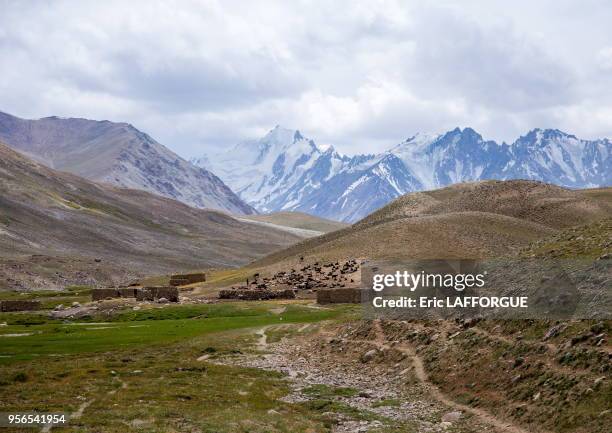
[{"x": 139, "y": 370}]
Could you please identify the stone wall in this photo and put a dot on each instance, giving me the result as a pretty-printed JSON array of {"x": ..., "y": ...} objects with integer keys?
[
  {"x": 339, "y": 296},
  {"x": 141, "y": 294},
  {"x": 171, "y": 294},
  {"x": 256, "y": 295},
  {"x": 19, "y": 305},
  {"x": 101, "y": 294}
]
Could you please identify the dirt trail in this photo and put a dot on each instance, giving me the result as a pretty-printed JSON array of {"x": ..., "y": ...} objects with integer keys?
[
  {"x": 484, "y": 416},
  {"x": 262, "y": 341},
  {"x": 421, "y": 375}
]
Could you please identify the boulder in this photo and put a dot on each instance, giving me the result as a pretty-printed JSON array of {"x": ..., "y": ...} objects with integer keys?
[
  {"x": 451, "y": 416},
  {"x": 369, "y": 355}
]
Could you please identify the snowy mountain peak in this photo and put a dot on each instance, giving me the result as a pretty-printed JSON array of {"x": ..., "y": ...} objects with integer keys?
[
  {"x": 539, "y": 136},
  {"x": 296, "y": 174},
  {"x": 420, "y": 138}
]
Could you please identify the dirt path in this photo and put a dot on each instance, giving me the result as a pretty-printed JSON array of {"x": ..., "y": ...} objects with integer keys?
[
  {"x": 484, "y": 416},
  {"x": 262, "y": 341},
  {"x": 421, "y": 375}
]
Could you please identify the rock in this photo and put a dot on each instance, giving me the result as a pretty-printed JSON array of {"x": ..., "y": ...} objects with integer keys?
[
  {"x": 365, "y": 394},
  {"x": 162, "y": 301},
  {"x": 136, "y": 308},
  {"x": 599, "y": 380},
  {"x": 553, "y": 332},
  {"x": 369, "y": 355},
  {"x": 451, "y": 416},
  {"x": 579, "y": 339},
  {"x": 59, "y": 307},
  {"x": 76, "y": 304}
]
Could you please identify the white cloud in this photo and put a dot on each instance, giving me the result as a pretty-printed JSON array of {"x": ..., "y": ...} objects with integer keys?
[
  {"x": 604, "y": 58},
  {"x": 361, "y": 75}
]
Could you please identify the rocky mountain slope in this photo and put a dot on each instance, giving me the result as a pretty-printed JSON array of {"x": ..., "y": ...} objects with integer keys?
[
  {"x": 56, "y": 214},
  {"x": 285, "y": 171},
  {"x": 120, "y": 155}
]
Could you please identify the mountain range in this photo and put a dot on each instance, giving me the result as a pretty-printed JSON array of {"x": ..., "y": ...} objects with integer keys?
[
  {"x": 120, "y": 155},
  {"x": 285, "y": 171}
]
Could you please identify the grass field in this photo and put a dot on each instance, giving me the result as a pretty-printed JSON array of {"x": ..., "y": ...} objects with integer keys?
[
  {"x": 51, "y": 298},
  {"x": 138, "y": 371}
]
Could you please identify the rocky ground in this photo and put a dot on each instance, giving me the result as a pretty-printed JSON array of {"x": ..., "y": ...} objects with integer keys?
[{"x": 361, "y": 385}]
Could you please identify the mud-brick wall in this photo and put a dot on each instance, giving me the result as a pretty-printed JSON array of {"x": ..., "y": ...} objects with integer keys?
[
  {"x": 128, "y": 292},
  {"x": 339, "y": 296},
  {"x": 101, "y": 294},
  {"x": 183, "y": 279},
  {"x": 19, "y": 305}
]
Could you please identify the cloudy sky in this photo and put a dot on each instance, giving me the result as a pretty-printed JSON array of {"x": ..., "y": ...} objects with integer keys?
[{"x": 201, "y": 75}]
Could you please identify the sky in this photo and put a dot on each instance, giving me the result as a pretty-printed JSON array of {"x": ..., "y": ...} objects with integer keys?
[{"x": 200, "y": 76}]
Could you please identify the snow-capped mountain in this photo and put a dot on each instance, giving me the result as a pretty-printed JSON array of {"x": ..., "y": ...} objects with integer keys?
[
  {"x": 285, "y": 171},
  {"x": 120, "y": 155},
  {"x": 276, "y": 171},
  {"x": 555, "y": 157}
]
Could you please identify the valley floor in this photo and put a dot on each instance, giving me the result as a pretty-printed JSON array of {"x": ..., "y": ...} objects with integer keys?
[
  {"x": 295, "y": 366},
  {"x": 237, "y": 367}
]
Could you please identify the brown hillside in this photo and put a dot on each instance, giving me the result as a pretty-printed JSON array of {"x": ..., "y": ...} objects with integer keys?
[
  {"x": 56, "y": 214},
  {"x": 482, "y": 219}
]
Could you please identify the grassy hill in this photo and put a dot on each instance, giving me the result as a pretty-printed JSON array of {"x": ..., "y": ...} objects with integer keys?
[{"x": 473, "y": 220}]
